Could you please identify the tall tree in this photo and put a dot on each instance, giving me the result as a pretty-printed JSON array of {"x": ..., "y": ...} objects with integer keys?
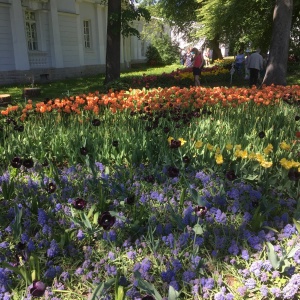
[
  {"x": 113, "y": 42},
  {"x": 121, "y": 13},
  {"x": 277, "y": 63}
]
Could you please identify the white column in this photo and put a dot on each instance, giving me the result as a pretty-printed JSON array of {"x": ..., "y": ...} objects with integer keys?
[
  {"x": 101, "y": 25},
  {"x": 56, "y": 50},
  {"x": 19, "y": 36},
  {"x": 79, "y": 25}
]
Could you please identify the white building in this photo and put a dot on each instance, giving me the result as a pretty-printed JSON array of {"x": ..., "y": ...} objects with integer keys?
[{"x": 57, "y": 39}]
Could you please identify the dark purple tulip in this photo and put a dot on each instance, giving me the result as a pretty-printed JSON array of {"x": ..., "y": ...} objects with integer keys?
[
  {"x": 115, "y": 143},
  {"x": 149, "y": 178},
  {"x": 11, "y": 121},
  {"x": 230, "y": 175},
  {"x": 294, "y": 174},
  {"x": 19, "y": 128},
  {"x": 186, "y": 159},
  {"x": 96, "y": 122},
  {"x": 106, "y": 220},
  {"x": 130, "y": 200},
  {"x": 200, "y": 211},
  {"x": 175, "y": 144},
  {"x": 297, "y": 118},
  {"x": 37, "y": 288},
  {"x": 166, "y": 129},
  {"x": 45, "y": 163},
  {"x": 79, "y": 203},
  {"x": 173, "y": 172},
  {"x": 51, "y": 188},
  {"x": 28, "y": 163},
  {"x": 148, "y": 297},
  {"x": 83, "y": 150},
  {"x": 261, "y": 134},
  {"x": 16, "y": 162}
]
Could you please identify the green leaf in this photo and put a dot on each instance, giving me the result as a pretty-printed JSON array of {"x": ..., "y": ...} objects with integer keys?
[
  {"x": 173, "y": 294},
  {"x": 272, "y": 256},
  {"x": 297, "y": 224},
  {"x": 147, "y": 287},
  {"x": 120, "y": 293},
  {"x": 101, "y": 289},
  {"x": 198, "y": 229}
]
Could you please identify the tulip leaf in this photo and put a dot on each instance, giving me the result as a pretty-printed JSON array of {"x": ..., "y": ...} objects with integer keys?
[
  {"x": 147, "y": 287},
  {"x": 115, "y": 214},
  {"x": 173, "y": 294},
  {"x": 293, "y": 251},
  {"x": 101, "y": 289},
  {"x": 272, "y": 256},
  {"x": 297, "y": 225},
  {"x": 198, "y": 229},
  {"x": 120, "y": 293}
]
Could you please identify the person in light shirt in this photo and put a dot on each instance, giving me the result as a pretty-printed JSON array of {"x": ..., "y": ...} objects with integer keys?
[{"x": 255, "y": 64}]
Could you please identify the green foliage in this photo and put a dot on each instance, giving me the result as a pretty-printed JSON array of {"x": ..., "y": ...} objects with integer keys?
[
  {"x": 153, "y": 56},
  {"x": 162, "y": 52}
]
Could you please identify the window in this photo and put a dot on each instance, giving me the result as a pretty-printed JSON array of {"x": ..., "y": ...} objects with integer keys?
[
  {"x": 31, "y": 32},
  {"x": 87, "y": 34}
]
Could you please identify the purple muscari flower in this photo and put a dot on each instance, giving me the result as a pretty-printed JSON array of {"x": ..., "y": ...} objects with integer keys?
[
  {"x": 220, "y": 217},
  {"x": 175, "y": 285},
  {"x": 183, "y": 239},
  {"x": 169, "y": 240},
  {"x": 30, "y": 246},
  {"x": 50, "y": 273},
  {"x": 65, "y": 276},
  {"x": 79, "y": 271},
  {"x": 255, "y": 243},
  {"x": 250, "y": 283},
  {"x": 111, "y": 270},
  {"x": 199, "y": 241},
  {"x": 42, "y": 217},
  {"x": 145, "y": 267},
  {"x": 245, "y": 254},
  {"x": 242, "y": 290},
  {"x": 187, "y": 276},
  {"x": 168, "y": 276},
  {"x": 233, "y": 249},
  {"x": 205, "y": 179},
  {"x": 220, "y": 242},
  {"x": 276, "y": 291},
  {"x": 264, "y": 290},
  {"x": 255, "y": 267},
  {"x": 233, "y": 194},
  {"x": 37, "y": 288},
  {"x": 5, "y": 281},
  {"x": 131, "y": 255},
  {"x": 80, "y": 235},
  {"x": 53, "y": 250},
  {"x": 288, "y": 230},
  {"x": 4, "y": 245},
  {"x": 111, "y": 255},
  {"x": 207, "y": 283},
  {"x": 264, "y": 277},
  {"x": 296, "y": 257},
  {"x": 177, "y": 265},
  {"x": 195, "y": 261}
]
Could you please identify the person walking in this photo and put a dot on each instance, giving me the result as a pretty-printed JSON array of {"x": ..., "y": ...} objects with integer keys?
[
  {"x": 197, "y": 65},
  {"x": 255, "y": 64},
  {"x": 239, "y": 61}
]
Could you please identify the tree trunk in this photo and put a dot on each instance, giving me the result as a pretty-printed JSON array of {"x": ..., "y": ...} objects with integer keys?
[
  {"x": 217, "y": 54},
  {"x": 279, "y": 49},
  {"x": 113, "y": 44}
]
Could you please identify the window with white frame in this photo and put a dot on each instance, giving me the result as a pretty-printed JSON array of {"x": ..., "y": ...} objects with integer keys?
[
  {"x": 31, "y": 31},
  {"x": 87, "y": 34}
]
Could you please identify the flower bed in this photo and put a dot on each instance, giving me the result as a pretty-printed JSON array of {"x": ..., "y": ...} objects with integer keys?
[{"x": 185, "y": 193}]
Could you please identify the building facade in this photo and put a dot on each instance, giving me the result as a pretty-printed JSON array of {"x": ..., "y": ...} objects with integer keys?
[{"x": 44, "y": 40}]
